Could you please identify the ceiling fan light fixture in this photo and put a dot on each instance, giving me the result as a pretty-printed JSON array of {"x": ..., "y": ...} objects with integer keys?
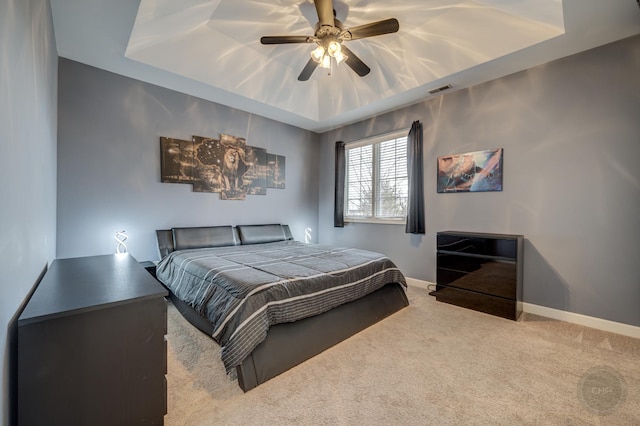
[
  {"x": 326, "y": 62},
  {"x": 340, "y": 57},
  {"x": 334, "y": 47},
  {"x": 317, "y": 54}
]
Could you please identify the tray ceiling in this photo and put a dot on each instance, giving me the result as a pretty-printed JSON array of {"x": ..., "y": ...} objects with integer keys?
[{"x": 211, "y": 48}]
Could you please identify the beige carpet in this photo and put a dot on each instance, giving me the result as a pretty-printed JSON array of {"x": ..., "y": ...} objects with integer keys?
[{"x": 431, "y": 363}]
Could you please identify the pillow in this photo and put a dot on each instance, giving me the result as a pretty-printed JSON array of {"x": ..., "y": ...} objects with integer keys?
[
  {"x": 260, "y": 234},
  {"x": 205, "y": 236}
]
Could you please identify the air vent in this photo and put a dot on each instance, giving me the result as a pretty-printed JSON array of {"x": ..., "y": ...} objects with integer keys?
[{"x": 443, "y": 88}]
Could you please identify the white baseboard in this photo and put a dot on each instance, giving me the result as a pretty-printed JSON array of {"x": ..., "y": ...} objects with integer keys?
[
  {"x": 420, "y": 284},
  {"x": 557, "y": 314},
  {"x": 587, "y": 321}
]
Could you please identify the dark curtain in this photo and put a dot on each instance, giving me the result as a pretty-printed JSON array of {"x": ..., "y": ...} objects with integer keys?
[
  {"x": 415, "y": 205},
  {"x": 338, "y": 212}
]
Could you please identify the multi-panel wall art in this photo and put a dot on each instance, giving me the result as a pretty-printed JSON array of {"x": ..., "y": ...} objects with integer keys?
[
  {"x": 227, "y": 165},
  {"x": 471, "y": 172}
]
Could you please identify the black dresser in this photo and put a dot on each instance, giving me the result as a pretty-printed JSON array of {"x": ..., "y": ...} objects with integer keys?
[
  {"x": 481, "y": 272},
  {"x": 92, "y": 347}
]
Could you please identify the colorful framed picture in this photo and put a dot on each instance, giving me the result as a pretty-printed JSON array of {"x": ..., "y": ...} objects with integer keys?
[{"x": 478, "y": 171}]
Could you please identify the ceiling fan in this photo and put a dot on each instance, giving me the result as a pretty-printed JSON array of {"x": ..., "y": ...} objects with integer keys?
[{"x": 329, "y": 36}]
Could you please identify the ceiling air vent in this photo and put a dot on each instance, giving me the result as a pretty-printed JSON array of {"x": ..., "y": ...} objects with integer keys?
[{"x": 443, "y": 88}]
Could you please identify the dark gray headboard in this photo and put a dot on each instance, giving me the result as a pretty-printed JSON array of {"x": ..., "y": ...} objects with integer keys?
[
  {"x": 218, "y": 236},
  {"x": 204, "y": 236},
  {"x": 260, "y": 234}
]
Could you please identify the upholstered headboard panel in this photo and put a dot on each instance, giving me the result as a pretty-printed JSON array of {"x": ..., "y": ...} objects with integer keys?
[
  {"x": 259, "y": 234},
  {"x": 204, "y": 236},
  {"x": 198, "y": 237}
]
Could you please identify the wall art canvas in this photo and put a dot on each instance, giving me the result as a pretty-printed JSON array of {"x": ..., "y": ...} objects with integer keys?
[
  {"x": 208, "y": 153},
  {"x": 226, "y": 165},
  {"x": 176, "y": 159},
  {"x": 233, "y": 167},
  {"x": 478, "y": 171},
  {"x": 255, "y": 178},
  {"x": 275, "y": 171}
]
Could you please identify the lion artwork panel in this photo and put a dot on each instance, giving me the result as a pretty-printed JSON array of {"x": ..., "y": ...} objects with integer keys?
[{"x": 233, "y": 168}]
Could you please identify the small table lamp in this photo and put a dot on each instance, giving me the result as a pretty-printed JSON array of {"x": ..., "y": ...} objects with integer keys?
[{"x": 121, "y": 237}]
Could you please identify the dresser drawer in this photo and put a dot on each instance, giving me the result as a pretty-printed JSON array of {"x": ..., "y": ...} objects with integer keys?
[
  {"x": 504, "y": 248},
  {"x": 498, "y": 306},
  {"x": 494, "y": 277}
]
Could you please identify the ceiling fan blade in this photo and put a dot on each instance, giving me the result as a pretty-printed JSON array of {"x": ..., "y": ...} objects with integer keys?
[
  {"x": 386, "y": 26},
  {"x": 325, "y": 11},
  {"x": 308, "y": 70},
  {"x": 355, "y": 63},
  {"x": 286, "y": 39}
]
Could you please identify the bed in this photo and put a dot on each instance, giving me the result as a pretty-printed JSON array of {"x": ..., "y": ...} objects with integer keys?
[{"x": 272, "y": 302}]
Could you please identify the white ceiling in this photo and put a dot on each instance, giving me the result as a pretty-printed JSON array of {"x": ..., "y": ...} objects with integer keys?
[{"x": 211, "y": 49}]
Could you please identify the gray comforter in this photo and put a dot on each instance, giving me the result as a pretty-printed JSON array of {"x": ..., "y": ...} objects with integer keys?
[{"x": 242, "y": 290}]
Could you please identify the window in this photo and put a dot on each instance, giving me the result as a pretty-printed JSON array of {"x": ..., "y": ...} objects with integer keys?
[{"x": 376, "y": 178}]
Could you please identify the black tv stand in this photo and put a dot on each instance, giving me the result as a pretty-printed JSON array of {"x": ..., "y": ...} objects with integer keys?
[{"x": 481, "y": 272}]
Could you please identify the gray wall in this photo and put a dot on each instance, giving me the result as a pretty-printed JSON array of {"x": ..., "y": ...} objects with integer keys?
[
  {"x": 570, "y": 130},
  {"x": 28, "y": 114},
  {"x": 109, "y": 164}
]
